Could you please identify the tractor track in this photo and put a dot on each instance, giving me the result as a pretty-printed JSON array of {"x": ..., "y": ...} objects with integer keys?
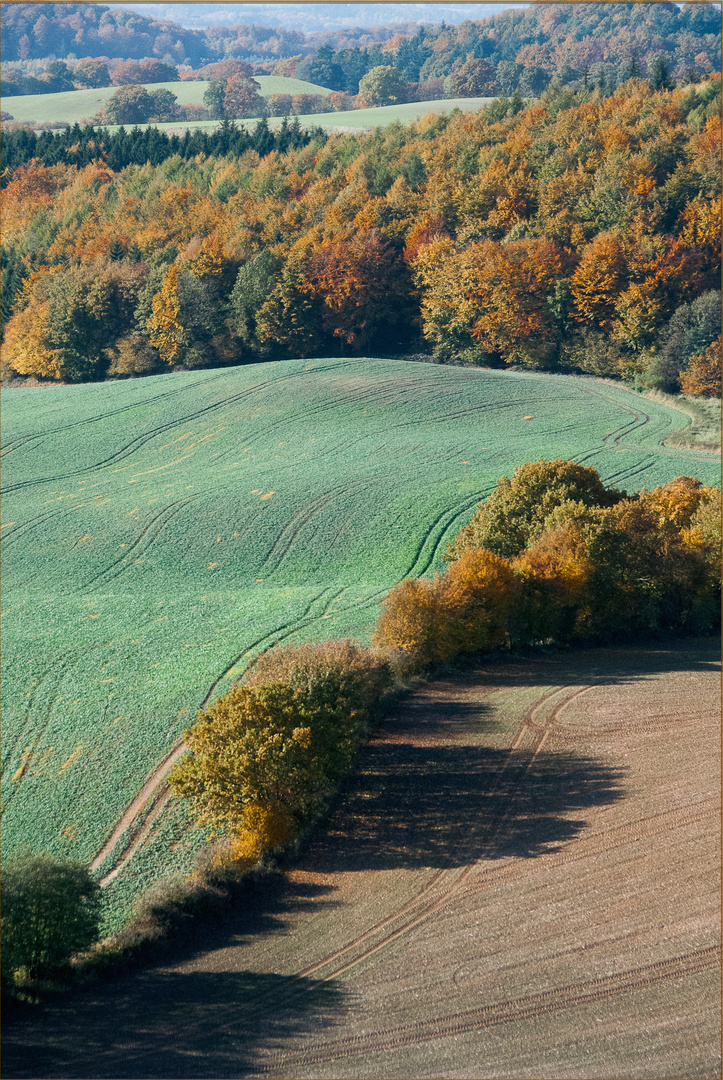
[
  {"x": 419, "y": 909},
  {"x": 141, "y": 799},
  {"x": 141, "y": 440},
  {"x": 503, "y": 1012},
  {"x": 148, "y": 535}
]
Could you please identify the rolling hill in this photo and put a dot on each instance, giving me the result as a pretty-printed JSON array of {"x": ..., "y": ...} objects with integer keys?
[
  {"x": 160, "y": 532},
  {"x": 74, "y": 105}
]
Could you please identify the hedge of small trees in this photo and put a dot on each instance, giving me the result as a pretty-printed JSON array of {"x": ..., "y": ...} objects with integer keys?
[{"x": 554, "y": 556}]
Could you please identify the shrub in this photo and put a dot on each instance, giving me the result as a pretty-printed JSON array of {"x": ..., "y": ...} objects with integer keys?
[
  {"x": 702, "y": 377},
  {"x": 327, "y": 672},
  {"x": 132, "y": 355},
  {"x": 415, "y": 619},
  {"x": 50, "y": 910}
]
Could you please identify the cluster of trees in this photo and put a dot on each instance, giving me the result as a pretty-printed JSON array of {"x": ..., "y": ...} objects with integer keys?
[
  {"x": 580, "y": 233},
  {"x": 551, "y": 556},
  {"x": 554, "y": 556}
]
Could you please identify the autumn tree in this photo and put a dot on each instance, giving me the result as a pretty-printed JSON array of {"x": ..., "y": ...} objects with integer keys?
[
  {"x": 280, "y": 104},
  {"x": 415, "y": 620},
  {"x": 242, "y": 98},
  {"x": 702, "y": 376},
  {"x": 494, "y": 295},
  {"x": 598, "y": 281},
  {"x": 364, "y": 289},
  {"x": 516, "y": 511},
  {"x": 167, "y": 332},
  {"x": 475, "y": 78},
  {"x": 129, "y": 105},
  {"x": 383, "y": 85},
  {"x": 253, "y": 751},
  {"x": 268, "y": 753},
  {"x": 91, "y": 72}
]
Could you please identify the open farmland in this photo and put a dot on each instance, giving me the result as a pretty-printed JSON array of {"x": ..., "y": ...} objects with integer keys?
[
  {"x": 521, "y": 879},
  {"x": 158, "y": 533},
  {"x": 72, "y": 106}
]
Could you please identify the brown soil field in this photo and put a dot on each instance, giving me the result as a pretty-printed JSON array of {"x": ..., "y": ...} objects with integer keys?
[{"x": 521, "y": 879}]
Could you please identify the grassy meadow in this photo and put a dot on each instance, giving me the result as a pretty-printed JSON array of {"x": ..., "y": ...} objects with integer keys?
[
  {"x": 159, "y": 532},
  {"x": 73, "y": 105}
]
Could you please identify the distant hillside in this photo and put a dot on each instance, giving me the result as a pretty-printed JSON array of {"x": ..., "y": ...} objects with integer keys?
[
  {"x": 33, "y": 31},
  {"x": 521, "y": 50},
  {"x": 318, "y": 17}
]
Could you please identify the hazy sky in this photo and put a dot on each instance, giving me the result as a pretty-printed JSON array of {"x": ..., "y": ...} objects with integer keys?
[{"x": 294, "y": 15}]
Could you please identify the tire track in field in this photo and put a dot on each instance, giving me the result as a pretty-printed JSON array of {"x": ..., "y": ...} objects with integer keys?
[
  {"x": 140, "y": 440},
  {"x": 139, "y": 802},
  {"x": 503, "y": 1012},
  {"x": 421, "y": 908},
  {"x": 50, "y": 681},
  {"x": 432, "y": 538},
  {"x": 143, "y": 542},
  {"x": 40, "y": 520},
  {"x": 290, "y": 531},
  {"x": 155, "y": 790}
]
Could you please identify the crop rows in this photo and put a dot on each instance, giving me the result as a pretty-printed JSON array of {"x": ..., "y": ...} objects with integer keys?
[{"x": 160, "y": 532}]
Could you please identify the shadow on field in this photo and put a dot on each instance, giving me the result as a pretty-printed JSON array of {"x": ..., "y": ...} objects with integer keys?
[
  {"x": 445, "y": 806},
  {"x": 200, "y": 1016},
  {"x": 179, "y": 1024},
  {"x": 605, "y": 666}
]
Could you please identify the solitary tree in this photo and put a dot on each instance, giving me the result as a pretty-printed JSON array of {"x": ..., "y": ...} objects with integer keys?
[
  {"x": 129, "y": 105},
  {"x": 382, "y": 85},
  {"x": 242, "y": 98},
  {"x": 50, "y": 910}
]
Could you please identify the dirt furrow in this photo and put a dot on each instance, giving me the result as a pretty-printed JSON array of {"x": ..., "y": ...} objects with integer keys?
[{"x": 505, "y": 1012}]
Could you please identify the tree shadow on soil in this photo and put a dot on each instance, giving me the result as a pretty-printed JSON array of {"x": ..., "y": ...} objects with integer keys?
[
  {"x": 179, "y": 1024},
  {"x": 445, "y": 806},
  {"x": 175, "y": 1021},
  {"x": 619, "y": 663}
]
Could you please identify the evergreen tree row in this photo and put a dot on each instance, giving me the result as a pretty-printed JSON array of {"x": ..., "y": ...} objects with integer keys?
[{"x": 80, "y": 146}]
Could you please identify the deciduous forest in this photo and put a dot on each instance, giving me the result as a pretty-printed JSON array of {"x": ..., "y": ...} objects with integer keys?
[{"x": 580, "y": 232}]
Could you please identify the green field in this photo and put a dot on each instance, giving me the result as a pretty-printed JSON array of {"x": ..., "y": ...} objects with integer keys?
[
  {"x": 73, "y": 105},
  {"x": 159, "y": 532}
]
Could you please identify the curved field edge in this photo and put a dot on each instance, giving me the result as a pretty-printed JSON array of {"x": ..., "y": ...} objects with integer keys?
[
  {"x": 703, "y": 430},
  {"x": 158, "y": 533}
]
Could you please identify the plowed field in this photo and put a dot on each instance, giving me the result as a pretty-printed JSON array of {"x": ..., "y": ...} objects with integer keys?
[
  {"x": 520, "y": 880},
  {"x": 159, "y": 532}
]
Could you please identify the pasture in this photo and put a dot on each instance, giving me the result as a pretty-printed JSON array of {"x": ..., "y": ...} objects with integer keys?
[
  {"x": 73, "y": 105},
  {"x": 158, "y": 533}
]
